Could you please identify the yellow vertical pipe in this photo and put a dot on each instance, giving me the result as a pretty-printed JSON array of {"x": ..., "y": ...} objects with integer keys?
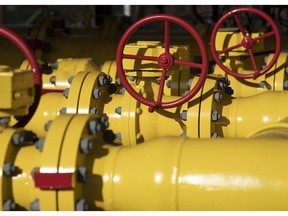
[{"x": 174, "y": 173}]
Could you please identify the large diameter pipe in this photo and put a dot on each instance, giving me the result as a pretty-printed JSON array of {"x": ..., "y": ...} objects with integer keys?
[{"x": 174, "y": 173}]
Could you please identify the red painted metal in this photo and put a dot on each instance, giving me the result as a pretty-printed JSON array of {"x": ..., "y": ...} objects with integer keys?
[
  {"x": 165, "y": 60},
  {"x": 53, "y": 181},
  {"x": 247, "y": 42}
]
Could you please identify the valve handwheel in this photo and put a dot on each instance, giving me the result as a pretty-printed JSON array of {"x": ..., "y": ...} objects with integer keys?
[
  {"x": 165, "y": 61},
  {"x": 247, "y": 42},
  {"x": 14, "y": 38}
]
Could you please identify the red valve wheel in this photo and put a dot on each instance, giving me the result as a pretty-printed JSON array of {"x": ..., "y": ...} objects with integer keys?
[
  {"x": 14, "y": 38},
  {"x": 247, "y": 42},
  {"x": 165, "y": 61}
]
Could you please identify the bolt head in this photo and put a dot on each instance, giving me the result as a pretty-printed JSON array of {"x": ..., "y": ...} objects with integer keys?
[
  {"x": 70, "y": 79},
  {"x": 184, "y": 134},
  {"x": 93, "y": 110},
  {"x": 18, "y": 139},
  {"x": 9, "y": 169},
  {"x": 39, "y": 144},
  {"x": 47, "y": 125},
  {"x": 81, "y": 205},
  {"x": 215, "y": 135},
  {"x": 53, "y": 80},
  {"x": 63, "y": 110},
  {"x": 118, "y": 136},
  {"x": 168, "y": 84},
  {"x": 35, "y": 205},
  {"x": 66, "y": 93},
  {"x": 118, "y": 110},
  {"x": 183, "y": 115},
  {"x": 215, "y": 116},
  {"x": 9, "y": 205},
  {"x": 122, "y": 90},
  {"x": 118, "y": 81},
  {"x": 286, "y": 85},
  {"x": 218, "y": 96},
  {"x": 103, "y": 80},
  {"x": 5, "y": 121},
  {"x": 96, "y": 93},
  {"x": 82, "y": 174}
]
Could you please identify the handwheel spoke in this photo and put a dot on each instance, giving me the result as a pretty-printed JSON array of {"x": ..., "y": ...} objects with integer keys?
[
  {"x": 161, "y": 87},
  {"x": 253, "y": 62},
  {"x": 148, "y": 58},
  {"x": 189, "y": 64},
  {"x": 229, "y": 49},
  {"x": 240, "y": 25},
  {"x": 264, "y": 36},
  {"x": 167, "y": 37}
]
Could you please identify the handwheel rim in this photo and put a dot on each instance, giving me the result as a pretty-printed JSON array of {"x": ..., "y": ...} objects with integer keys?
[
  {"x": 276, "y": 33},
  {"x": 204, "y": 65}
]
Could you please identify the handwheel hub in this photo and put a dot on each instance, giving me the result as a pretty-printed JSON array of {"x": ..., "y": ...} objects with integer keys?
[
  {"x": 165, "y": 61},
  {"x": 247, "y": 42}
]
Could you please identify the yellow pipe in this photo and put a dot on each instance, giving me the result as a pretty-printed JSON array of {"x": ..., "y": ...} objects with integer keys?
[
  {"x": 245, "y": 115},
  {"x": 174, "y": 173}
]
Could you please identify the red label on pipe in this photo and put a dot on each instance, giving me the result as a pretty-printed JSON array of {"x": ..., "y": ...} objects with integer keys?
[{"x": 53, "y": 181}]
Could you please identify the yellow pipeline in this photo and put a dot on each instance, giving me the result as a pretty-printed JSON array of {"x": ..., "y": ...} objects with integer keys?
[
  {"x": 185, "y": 174},
  {"x": 245, "y": 115}
]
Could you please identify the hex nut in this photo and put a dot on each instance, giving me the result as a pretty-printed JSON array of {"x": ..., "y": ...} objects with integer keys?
[
  {"x": 183, "y": 115},
  {"x": 86, "y": 145}
]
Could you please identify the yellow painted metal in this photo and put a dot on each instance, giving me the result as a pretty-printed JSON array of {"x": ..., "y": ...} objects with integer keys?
[
  {"x": 8, "y": 153},
  {"x": 86, "y": 98},
  {"x": 50, "y": 159},
  {"x": 16, "y": 91},
  {"x": 281, "y": 72},
  {"x": 245, "y": 115},
  {"x": 65, "y": 69},
  {"x": 173, "y": 173},
  {"x": 135, "y": 123},
  {"x": 48, "y": 109},
  {"x": 225, "y": 39},
  {"x": 275, "y": 130},
  {"x": 74, "y": 92},
  {"x": 273, "y": 80},
  {"x": 151, "y": 48},
  {"x": 24, "y": 190},
  {"x": 71, "y": 158},
  {"x": 199, "y": 110}
]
